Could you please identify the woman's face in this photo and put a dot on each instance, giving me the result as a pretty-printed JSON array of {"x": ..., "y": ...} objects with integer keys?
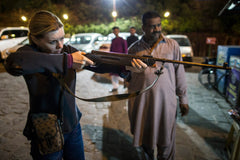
[{"x": 52, "y": 42}]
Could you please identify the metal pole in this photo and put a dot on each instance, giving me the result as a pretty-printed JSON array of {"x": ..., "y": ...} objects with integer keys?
[
  {"x": 114, "y": 5},
  {"x": 114, "y": 9}
]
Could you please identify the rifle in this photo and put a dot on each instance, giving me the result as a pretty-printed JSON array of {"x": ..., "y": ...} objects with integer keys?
[{"x": 125, "y": 60}]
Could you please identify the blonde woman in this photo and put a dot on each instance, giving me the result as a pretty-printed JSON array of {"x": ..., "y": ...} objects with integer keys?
[{"x": 39, "y": 62}]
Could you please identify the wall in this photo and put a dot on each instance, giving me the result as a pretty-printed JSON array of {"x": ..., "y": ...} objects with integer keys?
[{"x": 200, "y": 47}]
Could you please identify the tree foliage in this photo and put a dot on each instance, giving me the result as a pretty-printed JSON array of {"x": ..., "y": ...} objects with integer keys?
[{"x": 95, "y": 16}]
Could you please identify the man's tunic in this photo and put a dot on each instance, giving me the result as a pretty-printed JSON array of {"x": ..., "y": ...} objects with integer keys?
[{"x": 152, "y": 114}]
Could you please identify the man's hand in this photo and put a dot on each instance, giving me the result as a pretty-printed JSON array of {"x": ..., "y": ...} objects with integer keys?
[
  {"x": 79, "y": 60},
  {"x": 184, "y": 108},
  {"x": 137, "y": 66}
]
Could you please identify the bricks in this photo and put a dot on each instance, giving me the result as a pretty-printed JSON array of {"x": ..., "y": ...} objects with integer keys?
[{"x": 200, "y": 135}]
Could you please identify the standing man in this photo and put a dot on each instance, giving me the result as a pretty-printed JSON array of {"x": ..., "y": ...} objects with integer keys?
[
  {"x": 132, "y": 38},
  {"x": 118, "y": 45},
  {"x": 152, "y": 114}
]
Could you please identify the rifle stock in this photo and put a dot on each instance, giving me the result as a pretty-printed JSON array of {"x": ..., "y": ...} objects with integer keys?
[{"x": 125, "y": 60}]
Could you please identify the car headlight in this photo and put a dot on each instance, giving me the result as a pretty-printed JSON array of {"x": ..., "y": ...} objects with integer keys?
[{"x": 186, "y": 54}]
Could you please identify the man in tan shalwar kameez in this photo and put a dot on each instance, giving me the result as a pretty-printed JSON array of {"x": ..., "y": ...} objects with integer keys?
[{"x": 152, "y": 114}]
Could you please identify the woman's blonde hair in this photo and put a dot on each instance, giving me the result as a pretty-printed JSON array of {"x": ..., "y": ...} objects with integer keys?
[{"x": 41, "y": 23}]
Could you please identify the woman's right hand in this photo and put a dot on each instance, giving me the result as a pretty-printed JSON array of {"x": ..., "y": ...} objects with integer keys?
[
  {"x": 137, "y": 66},
  {"x": 79, "y": 60}
]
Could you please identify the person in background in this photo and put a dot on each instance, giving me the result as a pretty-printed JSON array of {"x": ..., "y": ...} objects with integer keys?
[
  {"x": 132, "y": 38},
  {"x": 118, "y": 45},
  {"x": 40, "y": 62},
  {"x": 152, "y": 114}
]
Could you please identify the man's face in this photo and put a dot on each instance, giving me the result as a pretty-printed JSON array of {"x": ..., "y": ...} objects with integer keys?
[
  {"x": 132, "y": 31},
  {"x": 152, "y": 28},
  {"x": 52, "y": 42},
  {"x": 116, "y": 32}
]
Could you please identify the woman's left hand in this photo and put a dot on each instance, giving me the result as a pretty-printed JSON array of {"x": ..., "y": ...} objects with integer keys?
[{"x": 79, "y": 60}]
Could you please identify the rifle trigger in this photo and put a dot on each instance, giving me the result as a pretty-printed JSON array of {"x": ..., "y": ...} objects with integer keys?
[{"x": 148, "y": 60}]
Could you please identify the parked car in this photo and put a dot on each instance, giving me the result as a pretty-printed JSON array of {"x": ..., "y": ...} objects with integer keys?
[
  {"x": 5, "y": 53},
  {"x": 11, "y": 36},
  {"x": 124, "y": 35},
  {"x": 105, "y": 44},
  {"x": 185, "y": 46},
  {"x": 105, "y": 47},
  {"x": 13, "y": 32},
  {"x": 86, "y": 41}
]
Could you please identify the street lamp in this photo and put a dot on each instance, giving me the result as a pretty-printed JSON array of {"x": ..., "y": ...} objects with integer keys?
[
  {"x": 114, "y": 14},
  {"x": 65, "y": 16},
  {"x": 166, "y": 14},
  {"x": 23, "y": 18}
]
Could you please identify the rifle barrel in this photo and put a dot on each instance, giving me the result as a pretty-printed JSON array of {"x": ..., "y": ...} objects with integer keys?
[
  {"x": 194, "y": 64},
  {"x": 125, "y": 59}
]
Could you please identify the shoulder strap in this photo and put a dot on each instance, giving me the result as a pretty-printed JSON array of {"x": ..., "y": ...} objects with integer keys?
[
  {"x": 61, "y": 102},
  {"x": 117, "y": 97}
]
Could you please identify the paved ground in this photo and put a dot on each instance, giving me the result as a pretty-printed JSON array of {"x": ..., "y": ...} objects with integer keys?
[{"x": 200, "y": 136}]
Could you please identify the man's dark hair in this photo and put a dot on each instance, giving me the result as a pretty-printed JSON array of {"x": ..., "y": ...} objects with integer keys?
[
  {"x": 148, "y": 15},
  {"x": 132, "y": 27},
  {"x": 115, "y": 27}
]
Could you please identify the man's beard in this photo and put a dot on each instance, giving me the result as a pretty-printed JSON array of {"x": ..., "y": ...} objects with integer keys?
[
  {"x": 152, "y": 38},
  {"x": 156, "y": 35}
]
